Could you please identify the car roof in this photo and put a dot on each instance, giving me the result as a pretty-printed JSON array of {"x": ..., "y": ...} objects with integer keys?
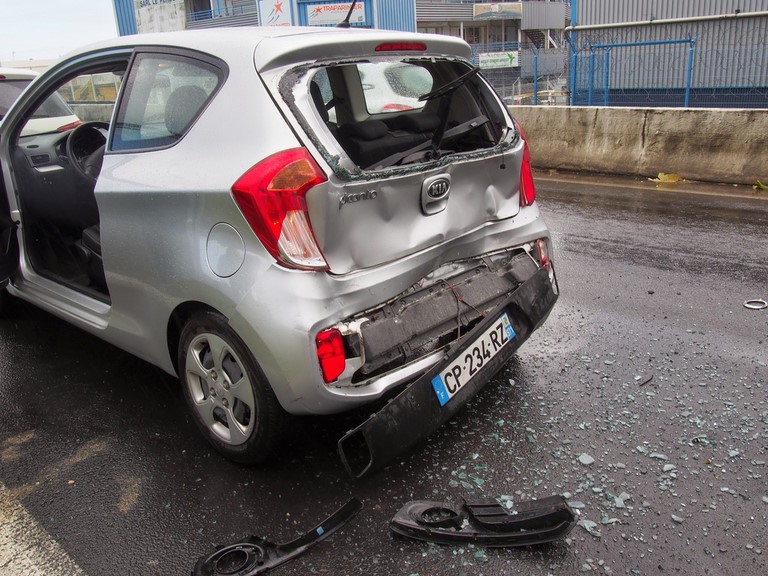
[{"x": 272, "y": 46}]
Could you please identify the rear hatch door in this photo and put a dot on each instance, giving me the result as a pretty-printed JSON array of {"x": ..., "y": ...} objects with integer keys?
[{"x": 418, "y": 148}]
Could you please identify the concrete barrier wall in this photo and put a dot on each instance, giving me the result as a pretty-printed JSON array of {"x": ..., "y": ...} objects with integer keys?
[
  {"x": 711, "y": 145},
  {"x": 93, "y": 111}
]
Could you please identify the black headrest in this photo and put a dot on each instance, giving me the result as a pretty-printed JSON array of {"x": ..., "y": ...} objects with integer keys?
[
  {"x": 365, "y": 130},
  {"x": 182, "y": 107},
  {"x": 317, "y": 98}
]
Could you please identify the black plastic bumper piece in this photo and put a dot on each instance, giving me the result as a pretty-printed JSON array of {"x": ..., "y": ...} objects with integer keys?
[
  {"x": 486, "y": 522},
  {"x": 416, "y": 412},
  {"x": 255, "y": 555}
]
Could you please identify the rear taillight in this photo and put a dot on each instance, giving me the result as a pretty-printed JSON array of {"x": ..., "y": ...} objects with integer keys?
[
  {"x": 272, "y": 197},
  {"x": 527, "y": 187},
  {"x": 330, "y": 353},
  {"x": 542, "y": 249}
]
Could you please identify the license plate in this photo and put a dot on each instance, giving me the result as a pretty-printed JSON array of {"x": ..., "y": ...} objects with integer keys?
[{"x": 451, "y": 379}]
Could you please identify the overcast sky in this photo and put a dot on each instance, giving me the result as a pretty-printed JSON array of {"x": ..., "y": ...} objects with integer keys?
[{"x": 48, "y": 29}]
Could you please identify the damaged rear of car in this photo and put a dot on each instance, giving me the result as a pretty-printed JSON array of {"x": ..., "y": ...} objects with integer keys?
[{"x": 421, "y": 181}]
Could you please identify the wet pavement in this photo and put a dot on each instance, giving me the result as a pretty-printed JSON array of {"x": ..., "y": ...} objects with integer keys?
[{"x": 643, "y": 400}]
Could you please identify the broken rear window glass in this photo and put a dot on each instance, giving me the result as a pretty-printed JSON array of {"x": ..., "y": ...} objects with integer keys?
[{"x": 389, "y": 113}]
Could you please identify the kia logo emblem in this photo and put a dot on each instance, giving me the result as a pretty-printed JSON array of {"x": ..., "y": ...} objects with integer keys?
[{"x": 438, "y": 188}]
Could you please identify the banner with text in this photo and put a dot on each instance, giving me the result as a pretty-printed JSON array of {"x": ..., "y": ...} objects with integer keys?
[
  {"x": 498, "y": 59},
  {"x": 502, "y": 11},
  {"x": 332, "y": 14},
  {"x": 160, "y": 15}
]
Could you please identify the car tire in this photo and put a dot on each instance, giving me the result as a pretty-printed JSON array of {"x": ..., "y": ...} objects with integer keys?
[{"x": 228, "y": 395}]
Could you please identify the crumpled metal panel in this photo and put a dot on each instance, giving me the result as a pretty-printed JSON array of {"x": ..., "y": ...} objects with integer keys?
[
  {"x": 420, "y": 322},
  {"x": 415, "y": 413}
]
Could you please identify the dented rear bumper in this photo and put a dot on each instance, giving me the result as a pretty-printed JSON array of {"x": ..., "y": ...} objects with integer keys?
[{"x": 416, "y": 412}]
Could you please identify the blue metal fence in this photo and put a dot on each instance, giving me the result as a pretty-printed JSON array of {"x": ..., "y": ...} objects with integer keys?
[
  {"x": 539, "y": 77},
  {"x": 717, "y": 62}
]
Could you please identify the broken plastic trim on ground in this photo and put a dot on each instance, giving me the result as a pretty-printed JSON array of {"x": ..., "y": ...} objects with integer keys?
[
  {"x": 255, "y": 555},
  {"x": 486, "y": 522}
]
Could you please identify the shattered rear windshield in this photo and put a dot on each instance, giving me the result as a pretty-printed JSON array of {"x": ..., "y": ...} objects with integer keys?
[{"x": 384, "y": 114}]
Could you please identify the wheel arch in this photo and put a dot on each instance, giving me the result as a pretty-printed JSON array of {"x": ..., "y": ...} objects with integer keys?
[
  {"x": 185, "y": 311},
  {"x": 178, "y": 318}
]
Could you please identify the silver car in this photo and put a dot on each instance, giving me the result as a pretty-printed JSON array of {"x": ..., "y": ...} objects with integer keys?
[{"x": 247, "y": 215}]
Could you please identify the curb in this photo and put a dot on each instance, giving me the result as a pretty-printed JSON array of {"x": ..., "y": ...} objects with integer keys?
[{"x": 591, "y": 179}]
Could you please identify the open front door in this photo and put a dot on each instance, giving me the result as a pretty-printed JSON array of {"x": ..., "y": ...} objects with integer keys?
[{"x": 9, "y": 246}]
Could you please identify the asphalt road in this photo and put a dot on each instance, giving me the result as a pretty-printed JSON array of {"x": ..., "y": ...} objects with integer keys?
[{"x": 642, "y": 399}]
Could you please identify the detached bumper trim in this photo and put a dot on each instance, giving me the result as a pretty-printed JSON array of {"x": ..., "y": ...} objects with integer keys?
[
  {"x": 416, "y": 413},
  {"x": 485, "y": 522}
]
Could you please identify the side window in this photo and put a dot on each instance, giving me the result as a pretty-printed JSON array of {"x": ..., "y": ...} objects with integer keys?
[
  {"x": 164, "y": 95},
  {"x": 84, "y": 98}
]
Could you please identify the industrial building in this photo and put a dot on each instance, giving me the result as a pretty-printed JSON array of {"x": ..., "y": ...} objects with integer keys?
[
  {"x": 163, "y": 15},
  {"x": 519, "y": 45},
  {"x": 586, "y": 52}
]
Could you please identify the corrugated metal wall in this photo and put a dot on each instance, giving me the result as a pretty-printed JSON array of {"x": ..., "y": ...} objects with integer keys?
[
  {"x": 543, "y": 15},
  {"x": 249, "y": 19},
  {"x": 536, "y": 15},
  {"x": 438, "y": 12},
  {"x": 612, "y": 11},
  {"x": 242, "y": 6},
  {"x": 724, "y": 58},
  {"x": 397, "y": 15},
  {"x": 126, "y": 17}
]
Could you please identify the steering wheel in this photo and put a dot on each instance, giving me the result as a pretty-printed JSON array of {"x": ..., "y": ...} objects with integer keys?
[{"x": 85, "y": 148}]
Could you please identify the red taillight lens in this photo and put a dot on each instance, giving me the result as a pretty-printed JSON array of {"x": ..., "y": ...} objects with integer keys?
[
  {"x": 69, "y": 126},
  {"x": 527, "y": 187},
  {"x": 395, "y": 107},
  {"x": 401, "y": 47},
  {"x": 272, "y": 197},
  {"x": 543, "y": 249},
  {"x": 330, "y": 352}
]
